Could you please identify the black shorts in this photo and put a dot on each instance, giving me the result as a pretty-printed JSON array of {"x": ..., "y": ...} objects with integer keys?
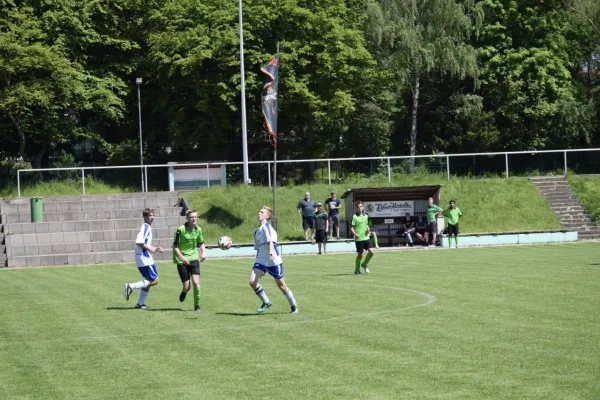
[
  {"x": 320, "y": 236},
  {"x": 334, "y": 220},
  {"x": 193, "y": 268},
  {"x": 362, "y": 245},
  {"x": 452, "y": 229},
  {"x": 307, "y": 222},
  {"x": 432, "y": 227}
]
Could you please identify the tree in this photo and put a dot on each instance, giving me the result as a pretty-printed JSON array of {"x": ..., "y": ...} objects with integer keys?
[
  {"x": 46, "y": 92},
  {"x": 414, "y": 38}
]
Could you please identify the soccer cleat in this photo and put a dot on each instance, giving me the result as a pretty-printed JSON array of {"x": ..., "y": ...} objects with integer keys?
[
  {"x": 366, "y": 268},
  {"x": 128, "y": 291},
  {"x": 294, "y": 310},
  {"x": 357, "y": 272},
  {"x": 142, "y": 307},
  {"x": 182, "y": 296},
  {"x": 197, "y": 308},
  {"x": 264, "y": 307}
]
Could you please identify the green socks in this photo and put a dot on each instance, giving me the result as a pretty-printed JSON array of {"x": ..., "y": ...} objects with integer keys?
[
  {"x": 375, "y": 241},
  {"x": 197, "y": 297},
  {"x": 456, "y": 238},
  {"x": 449, "y": 240},
  {"x": 368, "y": 258},
  {"x": 357, "y": 264}
]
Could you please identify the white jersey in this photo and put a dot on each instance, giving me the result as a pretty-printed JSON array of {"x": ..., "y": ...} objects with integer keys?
[
  {"x": 143, "y": 256},
  {"x": 262, "y": 236}
]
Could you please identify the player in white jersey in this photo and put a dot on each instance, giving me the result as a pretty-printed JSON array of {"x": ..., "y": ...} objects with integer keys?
[
  {"x": 268, "y": 260},
  {"x": 144, "y": 261}
]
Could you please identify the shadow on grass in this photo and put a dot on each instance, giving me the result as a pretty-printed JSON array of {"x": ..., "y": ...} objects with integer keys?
[
  {"x": 220, "y": 216},
  {"x": 352, "y": 273},
  {"x": 151, "y": 309},
  {"x": 254, "y": 314}
]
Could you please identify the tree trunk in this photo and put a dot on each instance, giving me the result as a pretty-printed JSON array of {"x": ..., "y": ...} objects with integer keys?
[
  {"x": 17, "y": 123},
  {"x": 413, "y": 127},
  {"x": 310, "y": 149}
]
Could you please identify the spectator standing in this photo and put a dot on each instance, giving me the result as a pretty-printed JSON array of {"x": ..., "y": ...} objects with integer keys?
[
  {"x": 321, "y": 228},
  {"x": 306, "y": 208},
  {"x": 432, "y": 212},
  {"x": 333, "y": 205}
]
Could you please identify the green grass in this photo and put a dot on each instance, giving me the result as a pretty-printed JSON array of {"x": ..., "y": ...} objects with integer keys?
[
  {"x": 489, "y": 205},
  {"x": 587, "y": 189},
  {"x": 482, "y": 323},
  {"x": 63, "y": 188}
]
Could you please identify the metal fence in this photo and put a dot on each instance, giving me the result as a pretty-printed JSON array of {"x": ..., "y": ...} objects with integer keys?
[{"x": 338, "y": 170}]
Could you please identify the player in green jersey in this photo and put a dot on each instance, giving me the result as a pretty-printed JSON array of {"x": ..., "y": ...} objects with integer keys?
[
  {"x": 453, "y": 213},
  {"x": 360, "y": 230},
  {"x": 188, "y": 239}
]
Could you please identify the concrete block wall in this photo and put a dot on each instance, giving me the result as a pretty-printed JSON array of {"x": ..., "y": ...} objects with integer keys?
[{"x": 87, "y": 229}]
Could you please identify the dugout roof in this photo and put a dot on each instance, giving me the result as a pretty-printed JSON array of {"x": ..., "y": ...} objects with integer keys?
[{"x": 395, "y": 193}]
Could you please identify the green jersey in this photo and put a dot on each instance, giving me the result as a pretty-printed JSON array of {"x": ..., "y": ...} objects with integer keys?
[
  {"x": 360, "y": 223},
  {"x": 188, "y": 242},
  {"x": 452, "y": 214},
  {"x": 431, "y": 210}
]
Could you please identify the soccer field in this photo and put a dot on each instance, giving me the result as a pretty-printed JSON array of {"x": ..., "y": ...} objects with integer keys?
[{"x": 481, "y": 323}]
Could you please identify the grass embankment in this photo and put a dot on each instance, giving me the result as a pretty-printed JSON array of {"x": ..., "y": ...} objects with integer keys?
[
  {"x": 587, "y": 189},
  {"x": 63, "y": 188},
  {"x": 489, "y": 205}
]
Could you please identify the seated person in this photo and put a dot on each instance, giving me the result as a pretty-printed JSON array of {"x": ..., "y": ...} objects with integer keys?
[
  {"x": 373, "y": 232},
  {"x": 409, "y": 229},
  {"x": 421, "y": 228}
]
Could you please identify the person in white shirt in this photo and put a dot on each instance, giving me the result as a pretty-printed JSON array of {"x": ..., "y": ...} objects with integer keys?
[
  {"x": 144, "y": 261},
  {"x": 268, "y": 260}
]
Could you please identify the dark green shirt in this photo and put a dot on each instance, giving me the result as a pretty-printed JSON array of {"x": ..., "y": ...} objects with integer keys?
[
  {"x": 431, "y": 210},
  {"x": 361, "y": 226}
]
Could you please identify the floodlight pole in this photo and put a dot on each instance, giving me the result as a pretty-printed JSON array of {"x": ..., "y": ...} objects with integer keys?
[
  {"x": 243, "y": 84},
  {"x": 138, "y": 81}
]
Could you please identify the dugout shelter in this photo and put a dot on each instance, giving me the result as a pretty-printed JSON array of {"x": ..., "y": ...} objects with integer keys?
[{"x": 387, "y": 207}]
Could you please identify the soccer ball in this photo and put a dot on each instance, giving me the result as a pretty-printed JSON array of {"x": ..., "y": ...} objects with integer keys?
[{"x": 224, "y": 242}]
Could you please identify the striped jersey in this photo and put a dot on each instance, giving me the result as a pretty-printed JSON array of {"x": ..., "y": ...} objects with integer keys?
[
  {"x": 262, "y": 236},
  {"x": 143, "y": 256}
]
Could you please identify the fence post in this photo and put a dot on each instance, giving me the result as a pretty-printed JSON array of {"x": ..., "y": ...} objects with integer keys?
[
  {"x": 269, "y": 169},
  {"x": 19, "y": 183},
  {"x": 329, "y": 171},
  {"x": 83, "y": 180},
  {"x": 207, "y": 176},
  {"x": 506, "y": 162},
  {"x": 448, "y": 166},
  {"x": 146, "y": 178},
  {"x": 565, "y": 163},
  {"x": 389, "y": 171}
]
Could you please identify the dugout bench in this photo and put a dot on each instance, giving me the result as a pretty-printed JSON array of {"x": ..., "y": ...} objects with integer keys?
[{"x": 387, "y": 208}]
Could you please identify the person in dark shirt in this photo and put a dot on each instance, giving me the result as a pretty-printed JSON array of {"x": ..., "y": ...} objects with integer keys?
[
  {"x": 333, "y": 205},
  {"x": 306, "y": 208},
  {"x": 421, "y": 228},
  {"x": 409, "y": 229},
  {"x": 321, "y": 226}
]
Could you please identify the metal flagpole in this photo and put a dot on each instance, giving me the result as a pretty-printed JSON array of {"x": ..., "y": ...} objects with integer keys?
[
  {"x": 274, "y": 219},
  {"x": 243, "y": 83}
]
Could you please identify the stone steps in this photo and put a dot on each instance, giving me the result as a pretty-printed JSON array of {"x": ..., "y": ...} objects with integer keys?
[
  {"x": 566, "y": 206},
  {"x": 92, "y": 215},
  {"x": 81, "y": 247},
  {"x": 91, "y": 225},
  {"x": 134, "y": 203},
  {"x": 83, "y": 258},
  {"x": 62, "y": 237},
  {"x": 90, "y": 197}
]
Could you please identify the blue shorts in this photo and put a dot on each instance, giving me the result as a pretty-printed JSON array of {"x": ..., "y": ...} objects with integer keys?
[
  {"x": 275, "y": 271},
  {"x": 149, "y": 272}
]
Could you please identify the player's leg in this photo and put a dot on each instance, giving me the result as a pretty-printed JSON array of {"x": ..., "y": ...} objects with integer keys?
[
  {"x": 184, "y": 275},
  {"x": 331, "y": 218},
  {"x": 255, "y": 274},
  {"x": 337, "y": 219},
  {"x": 150, "y": 273},
  {"x": 375, "y": 240},
  {"x": 359, "y": 254},
  {"x": 195, "y": 271},
  {"x": 370, "y": 252},
  {"x": 277, "y": 273}
]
